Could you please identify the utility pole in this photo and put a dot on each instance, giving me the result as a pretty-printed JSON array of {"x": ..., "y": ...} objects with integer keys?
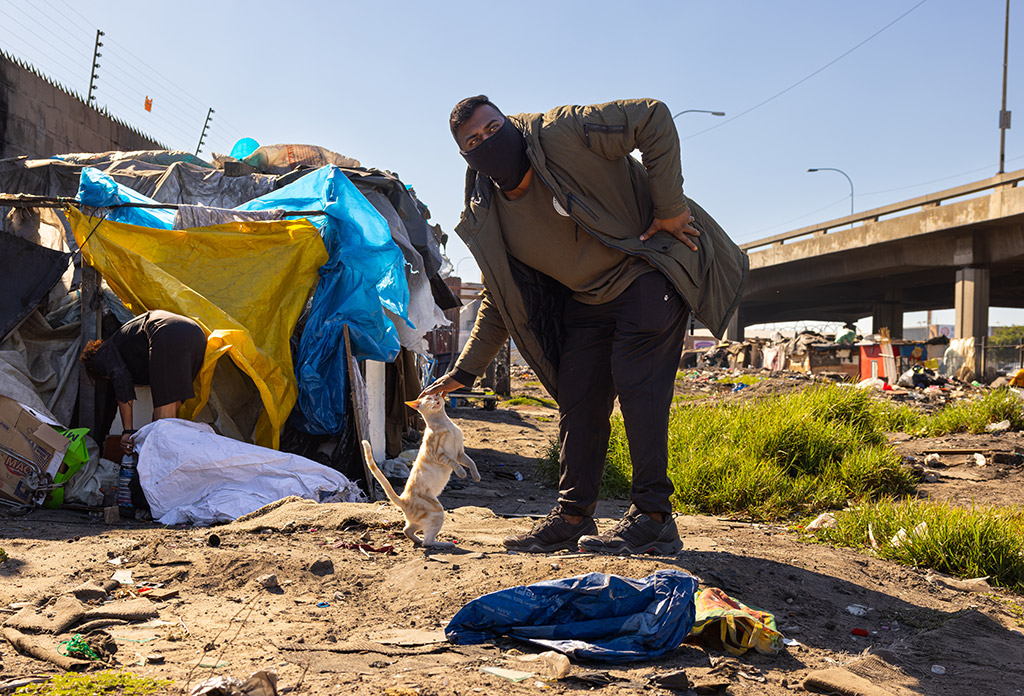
[
  {"x": 202, "y": 137},
  {"x": 95, "y": 65},
  {"x": 1004, "y": 115}
]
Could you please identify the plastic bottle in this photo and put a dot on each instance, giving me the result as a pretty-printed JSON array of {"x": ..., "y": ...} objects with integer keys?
[{"x": 129, "y": 464}]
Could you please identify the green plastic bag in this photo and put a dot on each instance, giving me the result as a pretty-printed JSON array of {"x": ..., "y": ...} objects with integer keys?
[{"x": 74, "y": 459}]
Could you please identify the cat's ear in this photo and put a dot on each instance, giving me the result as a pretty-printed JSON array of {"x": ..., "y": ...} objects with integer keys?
[{"x": 413, "y": 404}]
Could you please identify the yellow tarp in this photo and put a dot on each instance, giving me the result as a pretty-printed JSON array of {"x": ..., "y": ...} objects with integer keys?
[{"x": 245, "y": 283}]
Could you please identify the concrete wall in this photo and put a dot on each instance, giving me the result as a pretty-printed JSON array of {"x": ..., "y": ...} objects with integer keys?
[{"x": 39, "y": 118}]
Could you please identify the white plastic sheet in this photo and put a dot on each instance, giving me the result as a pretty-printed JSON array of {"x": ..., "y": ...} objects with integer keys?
[{"x": 192, "y": 475}]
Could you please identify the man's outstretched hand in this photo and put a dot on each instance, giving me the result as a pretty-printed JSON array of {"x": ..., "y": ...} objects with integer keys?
[
  {"x": 678, "y": 226},
  {"x": 442, "y": 386}
]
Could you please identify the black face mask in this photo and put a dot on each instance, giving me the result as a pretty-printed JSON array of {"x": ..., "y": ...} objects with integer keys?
[{"x": 502, "y": 157}]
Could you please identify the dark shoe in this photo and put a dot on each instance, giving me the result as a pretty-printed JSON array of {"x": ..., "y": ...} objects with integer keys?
[
  {"x": 551, "y": 534},
  {"x": 636, "y": 533}
]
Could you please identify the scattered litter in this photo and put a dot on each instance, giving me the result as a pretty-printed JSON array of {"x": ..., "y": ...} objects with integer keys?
[
  {"x": 739, "y": 386},
  {"x": 791, "y": 642},
  {"x": 901, "y": 537},
  {"x": 213, "y": 541},
  {"x": 260, "y": 683},
  {"x": 625, "y": 619},
  {"x": 268, "y": 581},
  {"x": 752, "y": 677},
  {"x": 980, "y": 585},
  {"x": 726, "y": 623},
  {"x": 519, "y": 476},
  {"x": 676, "y": 679},
  {"x": 858, "y": 609},
  {"x": 932, "y": 460},
  {"x": 823, "y": 521},
  {"x": 323, "y": 605},
  {"x": 938, "y": 669},
  {"x": 979, "y": 459},
  {"x": 862, "y": 632},
  {"x": 513, "y": 675},
  {"x": 556, "y": 664},
  {"x": 594, "y": 678},
  {"x": 123, "y": 576},
  {"x": 1000, "y": 427},
  {"x": 218, "y": 665},
  {"x": 362, "y": 547},
  {"x": 115, "y": 561},
  {"x": 871, "y": 536}
]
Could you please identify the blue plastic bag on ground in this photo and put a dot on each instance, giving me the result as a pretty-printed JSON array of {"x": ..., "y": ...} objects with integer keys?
[{"x": 595, "y": 616}]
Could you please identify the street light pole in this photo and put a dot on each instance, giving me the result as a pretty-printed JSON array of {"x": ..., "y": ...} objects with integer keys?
[
  {"x": 833, "y": 169},
  {"x": 699, "y": 111},
  {"x": 1004, "y": 115}
]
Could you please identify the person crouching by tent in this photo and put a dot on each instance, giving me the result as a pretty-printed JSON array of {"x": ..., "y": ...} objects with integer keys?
[{"x": 160, "y": 349}]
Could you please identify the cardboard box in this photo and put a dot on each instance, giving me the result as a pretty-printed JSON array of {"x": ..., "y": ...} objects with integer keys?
[{"x": 31, "y": 445}]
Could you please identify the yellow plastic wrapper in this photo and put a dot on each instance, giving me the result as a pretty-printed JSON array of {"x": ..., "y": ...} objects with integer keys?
[
  {"x": 724, "y": 623},
  {"x": 244, "y": 283}
]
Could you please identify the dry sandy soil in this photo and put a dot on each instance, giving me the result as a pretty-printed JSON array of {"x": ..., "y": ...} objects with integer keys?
[{"x": 363, "y": 622}]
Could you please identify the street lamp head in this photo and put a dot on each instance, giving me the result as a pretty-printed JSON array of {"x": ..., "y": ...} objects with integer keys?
[
  {"x": 813, "y": 169},
  {"x": 718, "y": 113}
]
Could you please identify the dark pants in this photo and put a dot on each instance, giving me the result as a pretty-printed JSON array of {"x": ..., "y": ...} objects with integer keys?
[{"x": 630, "y": 347}]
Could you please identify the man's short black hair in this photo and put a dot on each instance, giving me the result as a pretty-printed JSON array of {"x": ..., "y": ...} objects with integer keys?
[{"x": 465, "y": 108}]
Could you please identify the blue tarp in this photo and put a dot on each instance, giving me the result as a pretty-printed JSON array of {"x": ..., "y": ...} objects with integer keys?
[
  {"x": 364, "y": 273},
  {"x": 97, "y": 189},
  {"x": 595, "y": 616}
]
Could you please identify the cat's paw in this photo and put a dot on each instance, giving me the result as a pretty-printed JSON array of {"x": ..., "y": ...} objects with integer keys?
[{"x": 438, "y": 545}]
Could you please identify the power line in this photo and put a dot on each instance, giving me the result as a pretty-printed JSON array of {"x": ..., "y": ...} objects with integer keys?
[
  {"x": 800, "y": 82},
  {"x": 45, "y": 41},
  {"x": 805, "y": 215},
  {"x": 74, "y": 32},
  {"x": 62, "y": 80}
]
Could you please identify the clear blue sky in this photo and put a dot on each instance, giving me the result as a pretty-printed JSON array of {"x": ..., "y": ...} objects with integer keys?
[{"x": 912, "y": 111}]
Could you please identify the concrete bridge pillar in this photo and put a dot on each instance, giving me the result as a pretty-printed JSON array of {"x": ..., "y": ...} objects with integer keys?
[
  {"x": 972, "y": 298},
  {"x": 888, "y": 315},
  {"x": 734, "y": 331}
]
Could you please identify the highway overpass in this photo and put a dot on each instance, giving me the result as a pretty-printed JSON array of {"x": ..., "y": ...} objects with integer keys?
[{"x": 961, "y": 248}]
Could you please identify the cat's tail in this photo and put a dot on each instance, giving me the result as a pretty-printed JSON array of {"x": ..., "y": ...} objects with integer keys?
[{"x": 379, "y": 475}]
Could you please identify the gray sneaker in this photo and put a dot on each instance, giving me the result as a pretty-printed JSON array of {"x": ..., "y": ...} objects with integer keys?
[
  {"x": 551, "y": 534},
  {"x": 634, "y": 534}
]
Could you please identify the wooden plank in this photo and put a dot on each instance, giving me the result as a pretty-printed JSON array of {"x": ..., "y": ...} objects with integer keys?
[
  {"x": 358, "y": 402},
  {"x": 88, "y": 413}
]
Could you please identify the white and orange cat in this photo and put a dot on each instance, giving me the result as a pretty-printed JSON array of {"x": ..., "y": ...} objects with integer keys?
[{"x": 441, "y": 453}]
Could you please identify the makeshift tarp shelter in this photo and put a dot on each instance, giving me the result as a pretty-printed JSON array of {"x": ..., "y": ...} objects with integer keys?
[
  {"x": 245, "y": 283},
  {"x": 378, "y": 219}
]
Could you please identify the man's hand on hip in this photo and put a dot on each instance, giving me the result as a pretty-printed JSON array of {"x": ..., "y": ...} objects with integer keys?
[
  {"x": 678, "y": 226},
  {"x": 442, "y": 386}
]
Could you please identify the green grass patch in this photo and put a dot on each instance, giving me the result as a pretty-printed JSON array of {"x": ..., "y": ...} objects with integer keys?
[
  {"x": 972, "y": 415},
  {"x": 769, "y": 458},
  {"x": 741, "y": 379},
  {"x": 3, "y": 555},
  {"x": 530, "y": 401},
  {"x": 107, "y": 682},
  {"x": 965, "y": 542}
]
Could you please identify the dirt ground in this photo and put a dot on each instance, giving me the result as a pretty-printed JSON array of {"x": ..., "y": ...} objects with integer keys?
[{"x": 345, "y": 618}]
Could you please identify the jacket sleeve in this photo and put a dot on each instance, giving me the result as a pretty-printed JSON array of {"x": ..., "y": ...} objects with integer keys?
[
  {"x": 488, "y": 336},
  {"x": 615, "y": 129}
]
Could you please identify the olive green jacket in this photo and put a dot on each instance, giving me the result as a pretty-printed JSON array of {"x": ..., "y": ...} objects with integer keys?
[{"x": 582, "y": 154}]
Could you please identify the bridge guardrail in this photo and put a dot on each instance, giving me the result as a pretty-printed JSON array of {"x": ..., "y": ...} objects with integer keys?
[{"x": 928, "y": 201}]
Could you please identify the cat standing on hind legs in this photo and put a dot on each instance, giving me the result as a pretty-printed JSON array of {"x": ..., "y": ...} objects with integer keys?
[{"x": 441, "y": 453}]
